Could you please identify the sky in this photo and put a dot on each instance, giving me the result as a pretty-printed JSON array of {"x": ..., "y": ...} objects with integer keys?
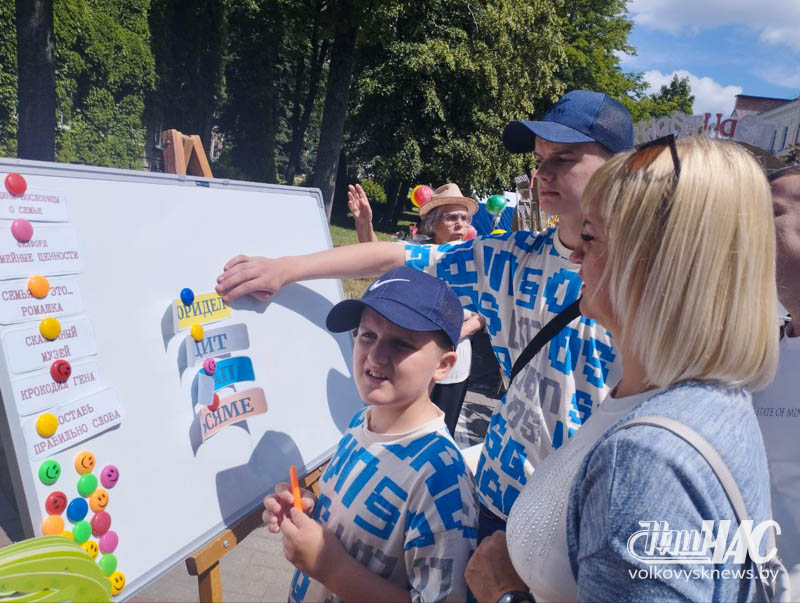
[{"x": 725, "y": 47}]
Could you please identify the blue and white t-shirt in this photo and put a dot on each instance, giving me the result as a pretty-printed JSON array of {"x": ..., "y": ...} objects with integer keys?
[
  {"x": 403, "y": 505},
  {"x": 518, "y": 282}
]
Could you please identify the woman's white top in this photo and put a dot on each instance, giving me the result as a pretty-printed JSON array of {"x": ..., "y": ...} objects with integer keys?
[
  {"x": 537, "y": 525},
  {"x": 460, "y": 370}
]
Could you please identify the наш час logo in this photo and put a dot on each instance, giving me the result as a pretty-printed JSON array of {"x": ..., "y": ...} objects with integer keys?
[{"x": 657, "y": 543}]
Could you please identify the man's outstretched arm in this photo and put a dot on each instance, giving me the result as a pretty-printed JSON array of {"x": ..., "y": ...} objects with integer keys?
[{"x": 263, "y": 277}]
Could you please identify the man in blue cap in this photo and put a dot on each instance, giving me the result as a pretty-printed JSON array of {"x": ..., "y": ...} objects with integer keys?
[{"x": 517, "y": 282}]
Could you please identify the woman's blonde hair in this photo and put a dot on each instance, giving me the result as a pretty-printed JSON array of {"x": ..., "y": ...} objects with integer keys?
[{"x": 691, "y": 262}]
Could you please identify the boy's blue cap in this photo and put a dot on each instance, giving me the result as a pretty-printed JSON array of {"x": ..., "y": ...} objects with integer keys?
[
  {"x": 578, "y": 116},
  {"x": 408, "y": 298}
]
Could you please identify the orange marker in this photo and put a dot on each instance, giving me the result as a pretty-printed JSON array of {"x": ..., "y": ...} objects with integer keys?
[{"x": 295, "y": 488}]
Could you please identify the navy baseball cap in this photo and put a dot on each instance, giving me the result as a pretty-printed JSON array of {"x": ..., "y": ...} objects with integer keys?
[
  {"x": 408, "y": 298},
  {"x": 578, "y": 116}
]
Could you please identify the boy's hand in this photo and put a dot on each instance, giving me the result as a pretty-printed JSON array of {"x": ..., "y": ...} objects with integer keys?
[
  {"x": 278, "y": 505},
  {"x": 309, "y": 546},
  {"x": 261, "y": 277}
]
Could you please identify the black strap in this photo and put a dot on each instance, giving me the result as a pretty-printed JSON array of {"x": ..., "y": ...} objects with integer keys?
[{"x": 545, "y": 334}]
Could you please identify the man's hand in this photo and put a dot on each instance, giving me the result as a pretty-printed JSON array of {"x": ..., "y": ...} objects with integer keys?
[
  {"x": 309, "y": 546},
  {"x": 260, "y": 277},
  {"x": 489, "y": 572},
  {"x": 277, "y": 506}
]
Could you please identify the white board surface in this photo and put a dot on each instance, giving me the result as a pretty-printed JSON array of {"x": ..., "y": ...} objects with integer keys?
[{"x": 139, "y": 239}]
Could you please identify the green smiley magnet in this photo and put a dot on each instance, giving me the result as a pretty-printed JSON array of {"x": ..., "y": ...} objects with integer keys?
[{"x": 49, "y": 472}]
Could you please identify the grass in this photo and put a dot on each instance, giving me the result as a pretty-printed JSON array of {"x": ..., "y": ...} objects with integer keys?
[{"x": 343, "y": 232}]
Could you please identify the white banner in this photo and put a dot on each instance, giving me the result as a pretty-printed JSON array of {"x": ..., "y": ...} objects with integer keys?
[
  {"x": 38, "y": 391},
  {"x": 26, "y": 349},
  {"x": 78, "y": 421},
  {"x": 18, "y": 305}
]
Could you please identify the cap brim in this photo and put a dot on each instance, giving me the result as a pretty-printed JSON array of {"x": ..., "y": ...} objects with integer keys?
[
  {"x": 470, "y": 204},
  {"x": 346, "y": 315},
  {"x": 520, "y": 136}
]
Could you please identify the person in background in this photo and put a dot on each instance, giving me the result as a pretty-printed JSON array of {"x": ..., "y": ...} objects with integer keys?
[
  {"x": 397, "y": 516},
  {"x": 677, "y": 257},
  {"x": 778, "y": 405},
  {"x": 444, "y": 219}
]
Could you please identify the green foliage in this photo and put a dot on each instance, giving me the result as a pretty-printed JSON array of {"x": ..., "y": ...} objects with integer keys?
[
  {"x": 374, "y": 192},
  {"x": 188, "y": 40},
  {"x": 436, "y": 82},
  {"x": 595, "y": 34},
  {"x": 8, "y": 81},
  {"x": 104, "y": 68},
  {"x": 677, "y": 96},
  {"x": 792, "y": 155}
]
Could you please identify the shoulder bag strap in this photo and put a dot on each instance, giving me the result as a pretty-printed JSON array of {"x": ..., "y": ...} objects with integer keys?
[{"x": 545, "y": 334}]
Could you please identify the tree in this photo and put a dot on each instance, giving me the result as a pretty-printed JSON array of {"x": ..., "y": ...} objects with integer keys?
[
  {"x": 336, "y": 97},
  {"x": 435, "y": 84},
  {"x": 675, "y": 97},
  {"x": 36, "y": 87},
  {"x": 104, "y": 69},
  {"x": 189, "y": 45},
  {"x": 595, "y": 35},
  {"x": 8, "y": 81}
]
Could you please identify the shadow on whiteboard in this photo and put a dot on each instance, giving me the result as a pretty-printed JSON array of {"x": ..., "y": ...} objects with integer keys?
[
  {"x": 268, "y": 465},
  {"x": 342, "y": 410}
]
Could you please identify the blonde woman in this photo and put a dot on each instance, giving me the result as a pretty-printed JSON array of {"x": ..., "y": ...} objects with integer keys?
[{"x": 678, "y": 263}]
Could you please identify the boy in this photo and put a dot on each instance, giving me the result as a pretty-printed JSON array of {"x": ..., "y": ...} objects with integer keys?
[{"x": 397, "y": 506}]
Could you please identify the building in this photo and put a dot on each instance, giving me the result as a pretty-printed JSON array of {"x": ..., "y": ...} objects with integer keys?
[{"x": 781, "y": 115}]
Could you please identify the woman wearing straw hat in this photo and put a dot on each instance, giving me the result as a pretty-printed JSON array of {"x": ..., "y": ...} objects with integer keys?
[{"x": 444, "y": 219}]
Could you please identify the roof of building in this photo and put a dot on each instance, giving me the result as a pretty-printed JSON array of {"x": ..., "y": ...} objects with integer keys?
[{"x": 752, "y": 105}]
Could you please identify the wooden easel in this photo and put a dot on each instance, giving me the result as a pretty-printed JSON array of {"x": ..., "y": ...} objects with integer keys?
[
  {"x": 205, "y": 562},
  {"x": 184, "y": 154}
]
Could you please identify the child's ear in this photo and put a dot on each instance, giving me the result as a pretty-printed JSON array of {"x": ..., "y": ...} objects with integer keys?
[{"x": 446, "y": 362}]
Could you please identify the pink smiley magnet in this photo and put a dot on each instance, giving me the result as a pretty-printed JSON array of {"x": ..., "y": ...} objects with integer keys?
[
  {"x": 22, "y": 230},
  {"x": 109, "y": 476},
  {"x": 16, "y": 185},
  {"x": 209, "y": 366}
]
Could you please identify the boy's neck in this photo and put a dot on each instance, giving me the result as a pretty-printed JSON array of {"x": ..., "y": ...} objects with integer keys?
[{"x": 387, "y": 420}]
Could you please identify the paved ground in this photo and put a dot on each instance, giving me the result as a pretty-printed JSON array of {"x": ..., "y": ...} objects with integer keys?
[{"x": 256, "y": 569}]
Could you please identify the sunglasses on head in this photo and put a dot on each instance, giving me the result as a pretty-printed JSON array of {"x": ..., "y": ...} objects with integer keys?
[{"x": 647, "y": 152}]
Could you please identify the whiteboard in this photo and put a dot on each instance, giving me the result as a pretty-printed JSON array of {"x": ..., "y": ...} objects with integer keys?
[{"x": 120, "y": 246}]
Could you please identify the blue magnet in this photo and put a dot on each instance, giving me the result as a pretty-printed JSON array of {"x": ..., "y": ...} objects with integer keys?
[
  {"x": 77, "y": 509},
  {"x": 187, "y": 296}
]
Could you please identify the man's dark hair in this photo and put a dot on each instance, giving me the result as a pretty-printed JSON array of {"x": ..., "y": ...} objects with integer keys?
[{"x": 787, "y": 171}]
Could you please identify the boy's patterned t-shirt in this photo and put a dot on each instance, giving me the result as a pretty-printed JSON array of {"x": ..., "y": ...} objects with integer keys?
[
  {"x": 402, "y": 505},
  {"x": 518, "y": 282}
]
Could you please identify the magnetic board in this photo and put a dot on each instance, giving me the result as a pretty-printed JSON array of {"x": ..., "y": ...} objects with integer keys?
[{"x": 117, "y": 248}]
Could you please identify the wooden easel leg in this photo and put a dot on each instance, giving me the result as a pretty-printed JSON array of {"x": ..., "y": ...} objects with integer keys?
[{"x": 210, "y": 585}]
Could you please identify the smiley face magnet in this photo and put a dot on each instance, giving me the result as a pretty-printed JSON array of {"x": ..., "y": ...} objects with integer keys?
[
  {"x": 98, "y": 500},
  {"x": 49, "y": 472},
  {"x": 84, "y": 462},
  {"x": 109, "y": 476}
]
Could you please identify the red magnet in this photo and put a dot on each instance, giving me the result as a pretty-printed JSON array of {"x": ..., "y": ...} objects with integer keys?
[
  {"x": 16, "y": 185},
  {"x": 56, "y": 503},
  {"x": 22, "y": 230},
  {"x": 60, "y": 370},
  {"x": 215, "y": 404},
  {"x": 100, "y": 523}
]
